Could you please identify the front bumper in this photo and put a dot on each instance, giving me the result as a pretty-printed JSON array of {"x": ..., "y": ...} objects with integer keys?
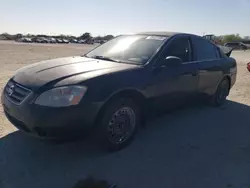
[{"x": 50, "y": 122}]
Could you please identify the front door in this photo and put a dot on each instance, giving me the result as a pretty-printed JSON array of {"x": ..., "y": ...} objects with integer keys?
[{"x": 173, "y": 85}]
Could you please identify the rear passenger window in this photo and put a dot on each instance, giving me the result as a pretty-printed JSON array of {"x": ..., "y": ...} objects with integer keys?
[{"x": 205, "y": 50}]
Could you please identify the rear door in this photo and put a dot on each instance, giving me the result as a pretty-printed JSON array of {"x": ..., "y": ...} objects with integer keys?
[{"x": 210, "y": 63}]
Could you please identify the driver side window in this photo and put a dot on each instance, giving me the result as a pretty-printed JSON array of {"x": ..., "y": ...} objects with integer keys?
[{"x": 179, "y": 47}]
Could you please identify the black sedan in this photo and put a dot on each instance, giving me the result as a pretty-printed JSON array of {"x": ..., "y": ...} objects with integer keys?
[{"x": 114, "y": 86}]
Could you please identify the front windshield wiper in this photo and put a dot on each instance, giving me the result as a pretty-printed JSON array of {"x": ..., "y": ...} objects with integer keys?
[
  {"x": 104, "y": 58},
  {"x": 109, "y": 59}
]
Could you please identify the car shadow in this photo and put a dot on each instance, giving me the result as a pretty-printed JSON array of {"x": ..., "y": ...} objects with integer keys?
[{"x": 193, "y": 147}]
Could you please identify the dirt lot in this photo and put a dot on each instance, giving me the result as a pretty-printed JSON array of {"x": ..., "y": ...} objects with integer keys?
[{"x": 191, "y": 148}]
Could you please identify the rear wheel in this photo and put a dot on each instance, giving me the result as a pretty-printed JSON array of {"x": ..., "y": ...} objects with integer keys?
[
  {"x": 221, "y": 94},
  {"x": 118, "y": 123}
]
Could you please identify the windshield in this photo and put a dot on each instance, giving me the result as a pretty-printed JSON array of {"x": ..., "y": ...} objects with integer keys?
[{"x": 137, "y": 49}]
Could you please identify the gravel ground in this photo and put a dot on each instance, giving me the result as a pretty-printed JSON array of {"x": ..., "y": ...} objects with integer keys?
[{"x": 190, "y": 148}]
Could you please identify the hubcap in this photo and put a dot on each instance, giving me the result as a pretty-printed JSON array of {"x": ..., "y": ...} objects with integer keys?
[{"x": 121, "y": 125}]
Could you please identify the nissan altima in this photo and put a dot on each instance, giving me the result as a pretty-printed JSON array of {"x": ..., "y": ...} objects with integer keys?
[{"x": 111, "y": 88}]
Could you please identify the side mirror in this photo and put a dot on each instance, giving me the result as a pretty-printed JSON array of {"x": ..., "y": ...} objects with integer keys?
[{"x": 172, "y": 61}]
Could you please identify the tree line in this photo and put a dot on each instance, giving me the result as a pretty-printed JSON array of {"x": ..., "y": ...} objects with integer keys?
[{"x": 232, "y": 38}]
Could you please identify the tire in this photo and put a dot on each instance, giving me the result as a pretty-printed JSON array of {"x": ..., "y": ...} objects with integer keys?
[
  {"x": 221, "y": 93},
  {"x": 118, "y": 124}
]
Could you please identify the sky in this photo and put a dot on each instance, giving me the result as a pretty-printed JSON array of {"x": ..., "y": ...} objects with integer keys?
[{"x": 102, "y": 17}]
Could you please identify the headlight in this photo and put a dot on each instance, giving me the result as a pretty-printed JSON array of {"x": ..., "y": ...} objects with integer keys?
[{"x": 62, "y": 96}]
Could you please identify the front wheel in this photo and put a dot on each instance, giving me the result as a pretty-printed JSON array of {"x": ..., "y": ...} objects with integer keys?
[
  {"x": 221, "y": 94},
  {"x": 118, "y": 123}
]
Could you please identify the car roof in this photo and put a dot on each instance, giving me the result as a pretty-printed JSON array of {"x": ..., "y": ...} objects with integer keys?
[{"x": 161, "y": 33}]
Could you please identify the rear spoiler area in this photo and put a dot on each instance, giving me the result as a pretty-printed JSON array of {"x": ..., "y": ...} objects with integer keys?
[{"x": 226, "y": 50}]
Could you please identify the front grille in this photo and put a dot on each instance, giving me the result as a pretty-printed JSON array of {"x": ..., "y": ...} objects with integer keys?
[{"x": 15, "y": 92}]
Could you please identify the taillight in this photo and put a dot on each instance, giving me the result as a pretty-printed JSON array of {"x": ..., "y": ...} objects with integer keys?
[{"x": 248, "y": 66}]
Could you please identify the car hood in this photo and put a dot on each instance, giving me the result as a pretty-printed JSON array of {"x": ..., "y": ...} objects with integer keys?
[{"x": 37, "y": 75}]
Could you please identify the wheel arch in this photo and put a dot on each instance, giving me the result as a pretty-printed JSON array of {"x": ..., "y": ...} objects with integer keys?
[{"x": 133, "y": 94}]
